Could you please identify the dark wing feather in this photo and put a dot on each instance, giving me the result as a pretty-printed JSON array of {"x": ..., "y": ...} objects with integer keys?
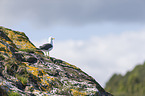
[{"x": 46, "y": 46}]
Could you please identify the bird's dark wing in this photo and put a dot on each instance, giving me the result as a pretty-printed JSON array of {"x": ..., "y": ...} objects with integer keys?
[{"x": 46, "y": 46}]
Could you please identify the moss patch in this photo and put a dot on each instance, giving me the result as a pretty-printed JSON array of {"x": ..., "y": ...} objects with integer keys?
[{"x": 14, "y": 94}]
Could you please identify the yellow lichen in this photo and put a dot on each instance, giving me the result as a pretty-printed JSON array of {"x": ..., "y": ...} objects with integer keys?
[
  {"x": 44, "y": 78},
  {"x": 20, "y": 39},
  {"x": 34, "y": 70},
  {"x": 39, "y": 52},
  {"x": 77, "y": 93},
  {"x": 4, "y": 49},
  {"x": 71, "y": 65}
]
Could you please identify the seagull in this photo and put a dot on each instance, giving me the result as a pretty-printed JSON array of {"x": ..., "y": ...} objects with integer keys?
[{"x": 48, "y": 46}]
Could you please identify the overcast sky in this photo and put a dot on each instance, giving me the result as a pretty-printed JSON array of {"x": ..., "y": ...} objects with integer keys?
[{"x": 101, "y": 37}]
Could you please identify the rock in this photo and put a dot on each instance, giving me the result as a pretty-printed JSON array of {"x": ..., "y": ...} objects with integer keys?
[
  {"x": 2, "y": 57},
  {"x": 19, "y": 56},
  {"x": 30, "y": 59},
  {"x": 26, "y": 71}
]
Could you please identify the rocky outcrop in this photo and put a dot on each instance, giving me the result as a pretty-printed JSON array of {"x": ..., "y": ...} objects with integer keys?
[{"x": 24, "y": 70}]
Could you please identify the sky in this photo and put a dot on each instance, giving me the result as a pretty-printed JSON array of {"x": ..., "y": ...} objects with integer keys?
[{"x": 101, "y": 37}]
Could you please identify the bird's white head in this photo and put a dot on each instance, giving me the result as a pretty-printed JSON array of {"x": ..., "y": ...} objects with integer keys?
[{"x": 50, "y": 39}]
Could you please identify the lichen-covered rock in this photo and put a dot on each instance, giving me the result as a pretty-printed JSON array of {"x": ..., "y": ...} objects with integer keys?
[{"x": 25, "y": 71}]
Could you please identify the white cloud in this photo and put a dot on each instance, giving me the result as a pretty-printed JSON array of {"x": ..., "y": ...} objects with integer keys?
[{"x": 100, "y": 57}]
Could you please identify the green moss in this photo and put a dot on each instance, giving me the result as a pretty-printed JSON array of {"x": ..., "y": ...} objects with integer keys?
[
  {"x": 22, "y": 74},
  {"x": 28, "y": 50},
  {"x": 22, "y": 79},
  {"x": 14, "y": 94}
]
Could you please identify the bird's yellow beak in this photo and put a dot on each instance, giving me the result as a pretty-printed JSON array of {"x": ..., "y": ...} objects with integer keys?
[{"x": 53, "y": 38}]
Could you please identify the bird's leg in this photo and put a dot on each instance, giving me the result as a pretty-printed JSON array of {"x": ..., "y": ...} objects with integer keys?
[
  {"x": 44, "y": 53},
  {"x": 48, "y": 55}
]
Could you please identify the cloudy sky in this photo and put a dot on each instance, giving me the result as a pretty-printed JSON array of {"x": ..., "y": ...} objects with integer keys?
[{"x": 102, "y": 37}]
